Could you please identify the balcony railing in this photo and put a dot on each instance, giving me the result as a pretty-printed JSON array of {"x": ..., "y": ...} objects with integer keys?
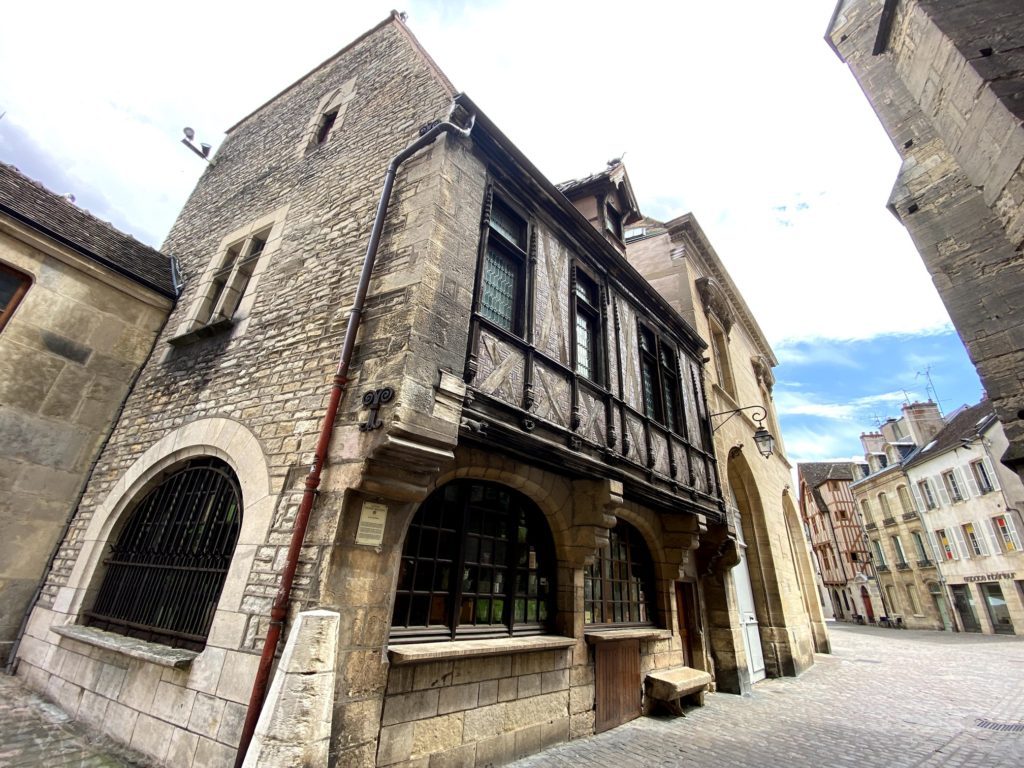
[
  {"x": 910, "y": 515},
  {"x": 926, "y": 563},
  {"x": 871, "y": 526},
  {"x": 882, "y": 568},
  {"x": 904, "y": 566},
  {"x": 889, "y": 521}
]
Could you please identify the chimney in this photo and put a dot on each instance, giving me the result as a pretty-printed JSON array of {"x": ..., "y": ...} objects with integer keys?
[{"x": 923, "y": 420}]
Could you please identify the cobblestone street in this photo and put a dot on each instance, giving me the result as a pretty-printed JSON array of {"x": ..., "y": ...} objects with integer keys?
[{"x": 883, "y": 698}]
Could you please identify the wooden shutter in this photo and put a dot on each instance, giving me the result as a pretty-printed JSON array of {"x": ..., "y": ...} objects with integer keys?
[
  {"x": 993, "y": 536},
  {"x": 940, "y": 484},
  {"x": 972, "y": 485},
  {"x": 959, "y": 476},
  {"x": 961, "y": 542},
  {"x": 921, "y": 505},
  {"x": 980, "y": 537},
  {"x": 991, "y": 474},
  {"x": 1012, "y": 528}
]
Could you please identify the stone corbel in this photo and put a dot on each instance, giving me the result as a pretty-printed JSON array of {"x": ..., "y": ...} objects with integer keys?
[
  {"x": 596, "y": 504},
  {"x": 763, "y": 371},
  {"x": 715, "y": 301},
  {"x": 681, "y": 536}
]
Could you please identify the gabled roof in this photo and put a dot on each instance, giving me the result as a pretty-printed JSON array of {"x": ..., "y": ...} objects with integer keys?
[
  {"x": 817, "y": 473},
  {"x": 966, "y": 425},
  {"x": 32, "y": 204},
  {"x": 614, "y": 176}
]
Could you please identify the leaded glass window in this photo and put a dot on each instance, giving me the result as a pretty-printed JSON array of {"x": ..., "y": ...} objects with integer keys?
[
  {"x": 619, "y": 587},
  {"x": 588, "y": 327},
  {"x": 502, "y": 296},
  {"x": 477, "y": 562}
]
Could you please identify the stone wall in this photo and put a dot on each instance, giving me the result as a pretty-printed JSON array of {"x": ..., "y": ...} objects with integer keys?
[
  {"x": 69, "y": 354},
  {"x": 947, "y": 90}
]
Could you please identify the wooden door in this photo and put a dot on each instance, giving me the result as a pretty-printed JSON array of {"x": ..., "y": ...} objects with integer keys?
[
  {"x": 618, "y": 684},
  {"x": 686, "y": 607}
]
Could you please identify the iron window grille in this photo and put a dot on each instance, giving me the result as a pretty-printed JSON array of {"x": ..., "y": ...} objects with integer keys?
[
  {"x": 502, "y": 300},
  {"x": 588, "y": 327},
  {"x": 619, "y": 587},
  {"x": 478, "y": 561},
  {"x": 165, "y": 573},
  {"x": 13, "y": 287}
]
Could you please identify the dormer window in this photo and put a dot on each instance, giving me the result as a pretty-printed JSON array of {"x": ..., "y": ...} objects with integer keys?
[{"x": 613, "y": 221}]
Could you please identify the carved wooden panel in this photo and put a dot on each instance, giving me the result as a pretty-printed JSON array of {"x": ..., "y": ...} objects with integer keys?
[
  {"x": 659, "y": 446},
  {"x": 551, "y": 324},
  {"x": 632, "y": 392},
  {"x": 692, "y": 398},
  {"x": 637, "y": 439},
  {"x": 701, "y": 476},
  {"x": 613, "y": 363},
  {"x": 592, "y": 418},
  {"x": 500, "y": 372},
  {"x": 552, "y": 396}
]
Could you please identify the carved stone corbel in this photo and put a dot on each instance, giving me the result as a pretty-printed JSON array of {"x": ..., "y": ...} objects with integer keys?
[{"x": 596, "y": 504}]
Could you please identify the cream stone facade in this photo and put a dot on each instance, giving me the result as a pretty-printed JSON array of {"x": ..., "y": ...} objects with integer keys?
[
  {"x": 972, "y": 517},
  {"x": 72, "y": 338},
  {"x": 679, "y": 261},
  {"x": 520, "y": 524}
]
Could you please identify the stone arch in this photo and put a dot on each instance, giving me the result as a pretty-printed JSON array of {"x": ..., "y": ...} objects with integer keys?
[
  {"x": 804, "y": 574},
  {"x": 222, "y": 438}
]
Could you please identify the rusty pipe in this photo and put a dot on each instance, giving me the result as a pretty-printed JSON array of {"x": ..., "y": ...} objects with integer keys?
[{"x": 279, "y": 610}]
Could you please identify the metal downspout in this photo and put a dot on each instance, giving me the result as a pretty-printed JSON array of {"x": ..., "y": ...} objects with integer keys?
[{"x": 279, "y": 610}]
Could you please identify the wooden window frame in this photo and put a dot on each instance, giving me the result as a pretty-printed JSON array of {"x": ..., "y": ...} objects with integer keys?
[
  {"x": 639, "y": 606},
  {"x": 659, "y": 379},
  {"x": 982, "y": 477},
  {"x": 517, "y": 255},
  {"x": 956, "y": 493},
  {"x": 587, "y": 307},
  {"x": 24, "y": 283},
  {"x": 469, "y": 517},
  {"x": 927, "y": 495}
]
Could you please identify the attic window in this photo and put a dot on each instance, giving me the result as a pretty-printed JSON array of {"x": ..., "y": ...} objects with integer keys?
[
  {"x": 635, "y": 232},
  {"x": 613, "y": 221},
  {"x": 326, "y": 124}
]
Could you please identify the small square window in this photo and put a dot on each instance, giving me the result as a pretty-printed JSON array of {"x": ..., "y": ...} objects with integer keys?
[{"x": 13, "y": 287}]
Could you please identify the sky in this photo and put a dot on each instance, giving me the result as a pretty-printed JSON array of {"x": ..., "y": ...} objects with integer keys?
[{"x": 738, "y": 112}]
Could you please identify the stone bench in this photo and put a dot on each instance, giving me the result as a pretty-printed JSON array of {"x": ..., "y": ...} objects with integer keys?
[{"x": 669, "y": 686}]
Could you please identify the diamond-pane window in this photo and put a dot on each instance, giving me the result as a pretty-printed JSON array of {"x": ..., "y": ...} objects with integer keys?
[{"x": 501, "y": 286}]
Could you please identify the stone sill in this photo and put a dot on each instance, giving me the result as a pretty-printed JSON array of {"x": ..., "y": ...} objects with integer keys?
[
  {"x": 639, "y": 633},
  {"x": 202, "y": 332},
  {"x": 154, "y": 653},
  {"x": 470, "y": 649}
]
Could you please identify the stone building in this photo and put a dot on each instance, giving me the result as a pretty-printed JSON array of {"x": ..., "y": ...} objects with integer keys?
[
  {"x": 834, "y": 527},
  {"x": 777, "y": 610},
  {"x": 971, "y": 510},
  {"x": 945, "y": 80},
  {"x": 80, "y": 308},
  {"x": 518, "y": 518},
  {"x": 907, "y": 575}
]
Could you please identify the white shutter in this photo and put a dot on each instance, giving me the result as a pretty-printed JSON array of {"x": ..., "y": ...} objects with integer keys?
[
  {"x": 980, "y": 538},
  {"x": 993, "y": 536},
  {"x": 937, "y": 554},
  {"x": 972, "y": 485},
  {"x": 991, "y": 474},
  {"x": 937, "y": 483},
  {"x": 921, "y": 505},
  {"x": 1012, "y": 528},
  {"x": 961, "y": 542}
]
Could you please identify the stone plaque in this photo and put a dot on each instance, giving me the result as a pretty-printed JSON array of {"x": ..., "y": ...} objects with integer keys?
[{"x": 371, "y": 524}]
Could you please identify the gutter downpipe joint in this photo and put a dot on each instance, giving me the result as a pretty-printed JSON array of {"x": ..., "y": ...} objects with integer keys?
[{"x": 279, "y": 610}]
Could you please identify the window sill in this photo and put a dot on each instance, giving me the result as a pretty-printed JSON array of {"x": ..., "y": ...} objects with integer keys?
[
  {"x": 595, "y": 636},
  {"x": 470, "y": 649},
  {"x": 154, "y": 653},
  {"x": 202, "y": 332}
]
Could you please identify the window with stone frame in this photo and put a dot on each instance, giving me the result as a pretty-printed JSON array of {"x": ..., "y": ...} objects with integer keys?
[
  {"x": 919, "y": 548},
  {"x": 166, "y": 570},
  {"x": 982, "y": 476},
  {"x": 865, "y": 509},
  {"x": 589, "y": 336},
  {"x": 946, "y": 546},
  {"x": 925, "y": 488},
  {"x": 975, "y": 542},
  {"x": 232, "y": 277},
  {"x": 1006, "y": 536},
  {"x": 897, "y": 548},
  {"x": 883, "y": 503},
  {"x": 619, "y": 587},
  {"x": 659, "y": 377},
  {"x": 478, "y": 561},
  {"x": 720, "y": 352},
  {"x": 503, "y": 284},
  {"x": 14, "y": 284},
  {"x": 952, "y": 483},
  {"x": 905, "y": 503},
  {"x": 879, "y": 552}
]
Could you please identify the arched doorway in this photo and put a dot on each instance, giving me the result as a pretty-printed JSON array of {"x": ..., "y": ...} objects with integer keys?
[
  {"x": 837, "y": 606},
  {"x": 868, "y": 608},
  {"x": 747, "y": 613}
]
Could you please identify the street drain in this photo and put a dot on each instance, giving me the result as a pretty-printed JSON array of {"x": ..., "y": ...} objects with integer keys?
[{"x": 981, "y": 722}]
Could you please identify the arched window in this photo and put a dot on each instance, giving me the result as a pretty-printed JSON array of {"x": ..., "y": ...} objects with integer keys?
[
  {"x": 619, "y": 586},
  {"x": 883, "y": 502},
  {"x": 866, "y": 509},
  {"x": 905, "y": 503},
  {"x": 166, "y": 571},
  {"x": 478, "y": 561}
]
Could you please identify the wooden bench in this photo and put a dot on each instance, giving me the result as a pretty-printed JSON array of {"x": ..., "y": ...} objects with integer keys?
[{"x": 669, "y": 686}]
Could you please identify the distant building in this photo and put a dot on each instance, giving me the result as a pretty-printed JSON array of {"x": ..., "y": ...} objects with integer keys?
[
  {"x": 832, "y": 521},
  {"x": 81, "y": 305},
  {"x": 971, "y": 507},
  {"x": 907, "y": 574},
  {"x": 945, "y": 80}
]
